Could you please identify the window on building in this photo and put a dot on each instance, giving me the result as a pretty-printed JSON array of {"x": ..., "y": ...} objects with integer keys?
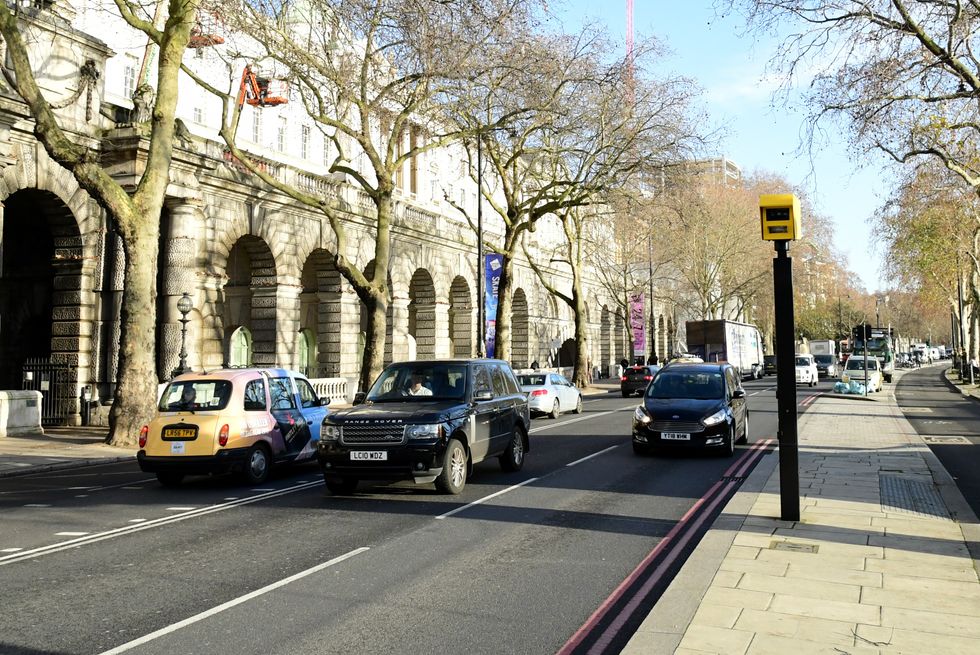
[
  {"x": 281, "y": 135},
  {"x": 400, "y": 171},
  {"x": 130, "y": 71},
  {"x": 413, "y": 171},
  {"x": 327, "y": 159},
  {"x": 198, "y": 115},
  {"x": 304, "y": 143},
  {"x": 240, "y": 348},
  {"x": 256, "y": 126}
]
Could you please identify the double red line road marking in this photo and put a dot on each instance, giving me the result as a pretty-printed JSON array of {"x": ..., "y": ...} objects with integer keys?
[
  {"x": 601, "y": 629},
  {"x": 806, "y": 402}
]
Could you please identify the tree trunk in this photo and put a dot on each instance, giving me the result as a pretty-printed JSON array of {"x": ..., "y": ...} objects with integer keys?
[
  {"x": 374, "y": 341},
  {"x": 503, "y": 347},
  {"x": 136, "y": 391},
  {"x": 581, "y": 374},
  {"x": 377, "y": 295}
]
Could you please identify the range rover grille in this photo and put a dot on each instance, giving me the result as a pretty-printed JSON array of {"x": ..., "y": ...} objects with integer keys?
[{"x": 372, "y": 434}]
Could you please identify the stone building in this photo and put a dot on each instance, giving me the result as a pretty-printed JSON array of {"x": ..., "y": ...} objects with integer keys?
[{"x": 257, "y": 266}]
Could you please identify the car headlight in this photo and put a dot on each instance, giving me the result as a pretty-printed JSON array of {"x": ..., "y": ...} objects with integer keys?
[
  {"x": 423, "y": 431},
  {"x": 715, "y": 418},
  {"x": 641, "y": 415},
  {"x": 331, "y": 432}
]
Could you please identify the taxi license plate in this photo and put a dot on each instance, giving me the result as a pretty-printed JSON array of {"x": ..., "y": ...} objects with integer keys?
[
  {"x": 180, "y": 433},
  {"x": 177, "y": 448},
  {"x": 369, "y": 455},
  {"x": 676, "y": 436}
]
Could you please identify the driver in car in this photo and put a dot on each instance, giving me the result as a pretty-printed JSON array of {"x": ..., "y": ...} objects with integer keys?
[{"x": 417, "y": 388}]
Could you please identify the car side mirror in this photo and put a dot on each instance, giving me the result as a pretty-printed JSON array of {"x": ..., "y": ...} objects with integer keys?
[
  {"x": 323, "y": 401},
  {"x": 738, "y": 393},
  {"x": 359, "y": 398},
  {"x": 482, "y": 394}
]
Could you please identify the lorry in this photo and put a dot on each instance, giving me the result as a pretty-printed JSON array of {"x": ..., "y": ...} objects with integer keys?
[
  {"x": 879, "y": 344},
  {"x": 739, "y": 344},
  {"x": 823, "y": 347}
]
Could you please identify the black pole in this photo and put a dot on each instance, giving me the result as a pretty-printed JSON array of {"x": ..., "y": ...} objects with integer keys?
[
  {"x": 789, "y": 468},
  {"x": 481, "y": 347}
]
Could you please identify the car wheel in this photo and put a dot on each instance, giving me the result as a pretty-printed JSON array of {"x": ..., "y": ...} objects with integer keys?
[
  {"x": 513, "y": 458},
  {"x": 257, "y": 465},
  {"x": 578, "y": 406},
  {"x": 745, "y": 430},
  {"x": 730, "y": 442},
  {"x": 170, "y": 479},
  {"x": 453, "y": 476},
  {"x": 555, "y": 410},
  {"x": 342, "y": 486}
]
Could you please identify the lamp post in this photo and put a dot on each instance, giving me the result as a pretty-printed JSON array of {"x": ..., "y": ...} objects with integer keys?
[
  {"x": 184, "y": 306},
  {"x": 481, "y": 321}
]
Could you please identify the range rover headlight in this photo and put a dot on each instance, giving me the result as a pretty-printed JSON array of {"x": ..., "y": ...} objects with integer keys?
[
  {"x": 715, "y": 418},
  {"x": 424, "y": 431},
  {"x": 331, "y": 432},
  {"x": 641, "y": 416}
]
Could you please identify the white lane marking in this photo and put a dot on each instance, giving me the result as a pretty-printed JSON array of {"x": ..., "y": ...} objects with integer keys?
[
  {"x": 180, "y": 509},
  {"x": 70, "y": 534},
  {"x": 552, "y": 426},
  {"x": 588, "y": 457},
  {"x": 36, "y": 505},
  {"x": 486, "y": 498},
  {"x": 231, "y": 603},
  {"x": 232, "y": 498},
  {"x": 132, "y": 487},
  {"x": 79, "y": 488},
  {"x": 10, "y": 550},
  {"x": 110, "y": 534},
  {"x": 137, "y": 520},
  {"x": 762, "y": 391},
  {"x": 264, "y": 489},
  {"x": 82, "y": 496}
]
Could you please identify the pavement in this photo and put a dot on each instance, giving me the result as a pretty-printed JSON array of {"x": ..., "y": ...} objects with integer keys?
[{"x": 884, "y": 558}]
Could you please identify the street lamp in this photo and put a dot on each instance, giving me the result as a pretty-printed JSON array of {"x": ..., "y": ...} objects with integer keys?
[{"x": 184, "y": 306}]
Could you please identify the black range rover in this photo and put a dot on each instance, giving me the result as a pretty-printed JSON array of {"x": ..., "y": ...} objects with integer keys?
[{"x": 427, "y": 421}]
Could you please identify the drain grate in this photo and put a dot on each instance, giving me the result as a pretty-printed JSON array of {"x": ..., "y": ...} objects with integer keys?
[
  {"x": 794, "y": 547},
  {"x": 911, "y": 497}
]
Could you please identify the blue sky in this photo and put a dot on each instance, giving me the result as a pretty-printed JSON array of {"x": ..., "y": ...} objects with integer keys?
[{"x": 737, "y": 95}]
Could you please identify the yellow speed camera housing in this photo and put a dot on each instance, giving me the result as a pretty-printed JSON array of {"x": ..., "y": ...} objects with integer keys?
[{"x": 780, "y": 215}]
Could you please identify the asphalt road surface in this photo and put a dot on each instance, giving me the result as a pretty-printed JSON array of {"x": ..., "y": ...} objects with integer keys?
[
  {"x": 567, "y": 555},
  {"x": 948, "y": 422}
]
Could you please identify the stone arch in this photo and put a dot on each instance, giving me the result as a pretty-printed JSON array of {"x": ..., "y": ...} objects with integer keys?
[
  {"x": 422, "y": 315},
  {"x": 250, "y": 297},
  {"x": 460, "y": 318},
  {"x": 42, "y": 293},
  {"x": 520, "y": 330},
  {"x": 320, "y": 308}
]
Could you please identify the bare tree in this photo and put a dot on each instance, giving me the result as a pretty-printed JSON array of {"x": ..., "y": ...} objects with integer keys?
[
  {"x": 135, "y": 213},
  {"x": 561, "y": 130},
  {"x": 372, "y": 75}
]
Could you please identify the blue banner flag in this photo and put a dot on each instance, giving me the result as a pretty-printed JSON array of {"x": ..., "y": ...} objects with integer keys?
[{"x": 494, "y": 264}]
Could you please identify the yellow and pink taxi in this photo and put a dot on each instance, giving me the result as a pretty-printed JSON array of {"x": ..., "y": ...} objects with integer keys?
[{"x": 233, "y": 420}]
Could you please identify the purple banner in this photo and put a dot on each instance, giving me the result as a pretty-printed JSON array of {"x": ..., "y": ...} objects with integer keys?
[
  {"x": 494, "y": 264},
  {"x": 637, "y": 320}
]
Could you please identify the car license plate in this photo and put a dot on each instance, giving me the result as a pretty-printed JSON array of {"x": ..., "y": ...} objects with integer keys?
[
  {"x": 369, "y": 455},
  {"x": 676, "y": 436},
  {"x": 180, "y": 433},
  {"x": 177, "y": 448}
]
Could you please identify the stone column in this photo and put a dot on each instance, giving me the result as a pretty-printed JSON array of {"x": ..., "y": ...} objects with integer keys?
[
  {"x": 349, "y": 327},
  {"x": 443, "y": 345},
  {"x": 399, "y": 329},
  {"x": 178, "y": 275},
  {"x": 329, "y": 330},
  {"x": 287, "y": 321}
]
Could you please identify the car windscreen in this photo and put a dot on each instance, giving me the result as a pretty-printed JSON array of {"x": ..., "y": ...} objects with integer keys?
[
  {"x": 824, "y": 359},
  {"x": 695, "y": 385},
  {"x": 420, "y": 381},
  {"x": 195, "y": 396},
  {"x": 802, "y": 361},
  {"x": 858, "y": 364},
  {"x": 531, "y": 380}
]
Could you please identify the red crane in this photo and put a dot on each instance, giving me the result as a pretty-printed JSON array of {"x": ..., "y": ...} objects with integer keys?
[{"x": 261, "y": 91}]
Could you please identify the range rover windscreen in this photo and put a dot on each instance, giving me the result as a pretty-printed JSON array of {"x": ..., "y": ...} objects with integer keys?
[{"x": 420, "y": 382}]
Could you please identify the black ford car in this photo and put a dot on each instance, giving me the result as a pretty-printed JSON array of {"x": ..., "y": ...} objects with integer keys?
[
  {"x": 427, "y": 421},
  {"x": 692, "y": 406}
]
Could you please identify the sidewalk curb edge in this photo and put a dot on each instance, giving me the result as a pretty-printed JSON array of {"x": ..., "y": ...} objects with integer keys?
[{"x": 64, "y": 466}]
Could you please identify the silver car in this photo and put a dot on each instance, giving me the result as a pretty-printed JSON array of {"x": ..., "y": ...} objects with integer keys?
[{"x": 550, "y": 393}]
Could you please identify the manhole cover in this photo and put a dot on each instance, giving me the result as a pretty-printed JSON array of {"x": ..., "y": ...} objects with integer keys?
[
  {"x": 932, "y": 438},
  {"x": 796, "y": 548},
  {"x": 911, "y": 497}
]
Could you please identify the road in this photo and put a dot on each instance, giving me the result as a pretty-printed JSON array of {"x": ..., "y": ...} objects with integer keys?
[
  {"x": 572, "y": 551},
  {"x": 948, "y": 422}
]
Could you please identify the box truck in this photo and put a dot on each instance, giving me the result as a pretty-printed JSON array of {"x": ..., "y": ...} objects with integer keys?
[{"x": 739, "y": 344}]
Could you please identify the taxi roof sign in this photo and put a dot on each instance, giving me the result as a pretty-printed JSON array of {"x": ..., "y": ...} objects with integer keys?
[{"x": 780, "y": 217}]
